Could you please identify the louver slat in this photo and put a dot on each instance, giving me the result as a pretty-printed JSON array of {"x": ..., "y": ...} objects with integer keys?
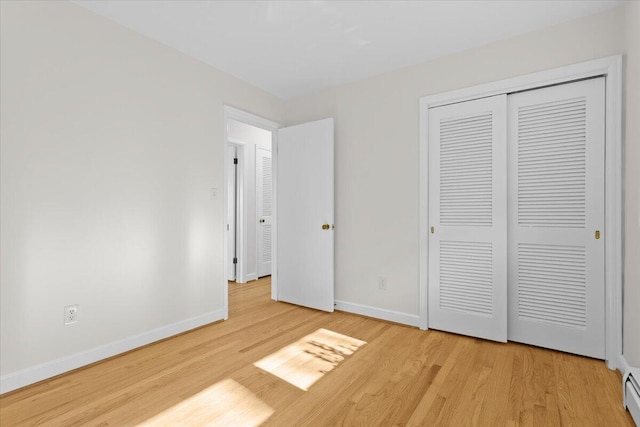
[
  {"x": 266, "y": 243},
  {"x": 552, "y": 284},
  {"x": 466, "y": 170},
  {"x": 267, "y": 207},
  {"x": 552, "y": 161},
  {"x": 466, "y": 276},
  {"x": 267, "y": 186}
]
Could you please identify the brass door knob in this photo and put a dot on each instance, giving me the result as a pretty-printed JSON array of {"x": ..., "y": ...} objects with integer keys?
[{"x": 326, "y": 226}]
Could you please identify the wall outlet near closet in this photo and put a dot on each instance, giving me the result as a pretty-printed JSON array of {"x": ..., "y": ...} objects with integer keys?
[{"x": 70, "y": 314}]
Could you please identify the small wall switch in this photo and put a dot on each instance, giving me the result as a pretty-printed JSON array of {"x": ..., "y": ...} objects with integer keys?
[
  {"x": 214, "y": 193},
  {"x": 382, "y": 283},
  {"x": 70, "y": 314}
]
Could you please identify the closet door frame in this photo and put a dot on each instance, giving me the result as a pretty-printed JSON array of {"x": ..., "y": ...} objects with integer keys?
[{"x": 609, "y": 67}]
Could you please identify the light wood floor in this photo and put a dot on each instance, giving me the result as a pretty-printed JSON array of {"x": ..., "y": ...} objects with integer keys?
[{"x": 357, "y": 372}]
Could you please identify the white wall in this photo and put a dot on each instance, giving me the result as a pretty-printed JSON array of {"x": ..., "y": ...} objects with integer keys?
[
  {"x": 250, "y": 138},
  {"x": 631, "y": 337},
  {"x": 110, "y": 145},
  {"x": 377, "y": 166}
]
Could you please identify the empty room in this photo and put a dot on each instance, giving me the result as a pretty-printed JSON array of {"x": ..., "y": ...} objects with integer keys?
[{"x": 287, "y": 213}]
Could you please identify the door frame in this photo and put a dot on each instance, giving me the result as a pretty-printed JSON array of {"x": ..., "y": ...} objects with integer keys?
[
  {"x": 239, "y": 211},
  {"x": 239, "y": 208},
  {"x": 609, "y": 67},
  {"x": 260, "y": 122}
]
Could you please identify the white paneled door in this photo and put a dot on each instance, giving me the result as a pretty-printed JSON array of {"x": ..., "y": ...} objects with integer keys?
[
  {"x": 467, "y": 216},
  {"x": 264, "y": 205},
  {"x": 305, "y": 196},
  {"x": 556, "y": 217}
]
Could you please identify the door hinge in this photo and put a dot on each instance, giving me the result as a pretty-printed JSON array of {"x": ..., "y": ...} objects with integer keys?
[
  {"x": 235, "y": 260},
  {"x": 235, "y": 161}
]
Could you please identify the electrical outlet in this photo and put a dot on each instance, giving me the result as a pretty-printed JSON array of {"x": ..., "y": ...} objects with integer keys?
[
  {"x": 382, "y": 283},
  {"x": 70, "y": 314}
]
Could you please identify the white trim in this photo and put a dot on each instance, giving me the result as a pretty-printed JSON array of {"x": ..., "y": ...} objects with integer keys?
[
  {"x": 240, "y": 246},
  {"x": 250, "y": 118},
  {"x": 613, "y": 212},
  {"x": 581, "y": 70},
  {"x": 274, "y": 216},
  {"x": 235, "y": 141},
  {"x": 41, "y": 372},
  {"x": 378, "y": 313},
  {"x": 424, "y": 214},
  {"x": 611, "y": 67},
  {"x": 630, "y": 398},
  {"x": 631, "y": 401},
  {"x": 254, "y": 120},
  {"x": 623, "y": 365}
]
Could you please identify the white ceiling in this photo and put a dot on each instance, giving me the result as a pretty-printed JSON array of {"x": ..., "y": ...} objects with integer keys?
[{"x": 291, "y": 48}]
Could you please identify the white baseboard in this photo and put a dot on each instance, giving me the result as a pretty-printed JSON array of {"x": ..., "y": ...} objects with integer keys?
[
  {"x": 41, "y": 372},
  {"x": 623, "y": 365},
  {"x": 378, "y": 313},
  {"x": 630, "y": 395}
]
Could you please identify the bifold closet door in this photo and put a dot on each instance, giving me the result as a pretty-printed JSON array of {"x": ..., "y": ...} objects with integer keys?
[
  {"x": 556, "y": 217},
  {"x": 467, "y": 215}
]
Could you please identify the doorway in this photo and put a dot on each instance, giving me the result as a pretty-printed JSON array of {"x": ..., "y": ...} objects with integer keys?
[
  {"x": 248, "y": 197},
  {"x": 302, "y": 159},
  {"x": 249, "y": 201}
]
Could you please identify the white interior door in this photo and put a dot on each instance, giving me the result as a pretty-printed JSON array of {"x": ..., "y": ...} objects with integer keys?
[
  {"x": 467, "y": 216},
  {"x": 264, "y": 205},
  {"x": 556, "y": 217},
  {"x": 231, "y": 211},
  {"x": 305, "y": 197}
]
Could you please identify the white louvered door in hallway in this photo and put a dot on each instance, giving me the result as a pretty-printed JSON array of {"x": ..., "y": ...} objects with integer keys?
[
  {"x": 516, "y": 216},
  {"x": 556, "y": 217},
  {"x": 467, "y": 213},
  {"x": 264, "y": 205}
]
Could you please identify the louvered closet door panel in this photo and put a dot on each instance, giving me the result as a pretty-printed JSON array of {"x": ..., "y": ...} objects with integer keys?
[
  {"x": 267, "y": 204},
  {"x": 556, "y": 204},
  {"x": 264, "y": 193},
  {"x": 467, "y": 210}
]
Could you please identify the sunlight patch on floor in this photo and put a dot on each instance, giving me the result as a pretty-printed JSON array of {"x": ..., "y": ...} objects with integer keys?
[
  {"x": 305, "y": 361},
  {"x": 226, "y": 403}
]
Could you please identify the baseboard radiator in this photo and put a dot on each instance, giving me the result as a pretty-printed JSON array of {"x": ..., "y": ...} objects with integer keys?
[{"x": 631, "y": 393}]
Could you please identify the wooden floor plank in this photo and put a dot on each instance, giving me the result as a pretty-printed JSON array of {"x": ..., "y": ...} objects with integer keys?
[{"x": 400, "y": 377}]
